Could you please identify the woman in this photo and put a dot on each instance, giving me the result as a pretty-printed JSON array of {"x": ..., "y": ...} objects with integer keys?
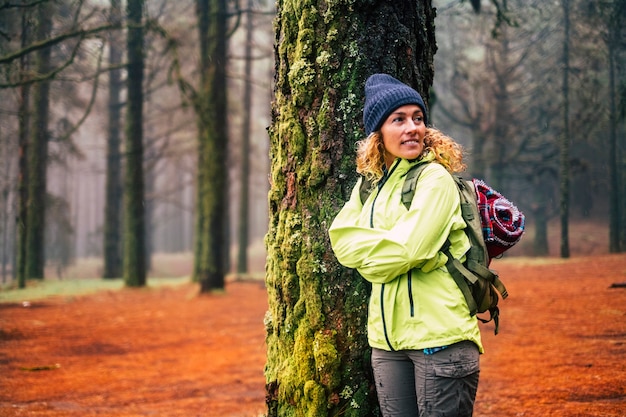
[{"x": 425, "y": 345}]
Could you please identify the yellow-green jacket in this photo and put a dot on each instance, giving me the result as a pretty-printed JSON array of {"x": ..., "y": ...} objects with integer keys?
[{"x": 415, "y": 303}]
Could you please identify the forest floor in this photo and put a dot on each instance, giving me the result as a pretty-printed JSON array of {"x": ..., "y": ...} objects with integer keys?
[{"x": 167, "y": 351}]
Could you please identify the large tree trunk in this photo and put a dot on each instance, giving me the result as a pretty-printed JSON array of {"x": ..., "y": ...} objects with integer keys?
[
  {"x": 134, "y": 267},
  {"x": 113, "y": 204},
  {"x": 38, "y": 153},
  {"x": 212, "y": 241},
  {"x": 318, "y": 358}
]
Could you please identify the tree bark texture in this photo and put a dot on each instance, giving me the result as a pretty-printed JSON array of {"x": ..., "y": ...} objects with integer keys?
[
  {"x": 318, "y": 357},
  {"x": 113, "y": 203},
  {"x": 134, "y": 268},
  {"x": 38, "y": 154},
  {"x": 211, "y": 243}
]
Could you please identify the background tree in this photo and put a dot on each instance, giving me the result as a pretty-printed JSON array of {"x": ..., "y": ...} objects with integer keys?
[
  {"x": 250, "y": 76},
  {"x": 162, "y": 117},
  {"x": 564, "y": 179},
  {"x": 5, "y": 214},
  {"x": 318, "y": 359},
  {"x": 244, "y": 190},
  {"x": 211, "y": 242},
  {"x": 38, "y": 152},
  {"x": 113, "y": 199},
  {"x": 615, "y": 40},
  {"x": 8, "y": 175},
  {"x": 134, "y": 267},
  {"x": 22, "y": 176}
]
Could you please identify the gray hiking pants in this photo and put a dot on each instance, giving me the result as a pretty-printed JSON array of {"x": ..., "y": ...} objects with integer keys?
[{"x": 411, "y": 384}]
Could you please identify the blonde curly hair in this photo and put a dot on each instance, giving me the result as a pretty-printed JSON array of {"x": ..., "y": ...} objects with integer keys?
[{"x": 438, "y": 147}]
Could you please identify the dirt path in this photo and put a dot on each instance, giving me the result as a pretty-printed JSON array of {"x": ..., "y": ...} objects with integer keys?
[
  {"x": 561, "y": 350},
  {"x": 166, "y": 352},
  {"x": 161, "y": 352}
]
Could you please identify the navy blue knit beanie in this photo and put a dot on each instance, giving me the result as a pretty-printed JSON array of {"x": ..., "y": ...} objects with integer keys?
[{"x": 384, "y": 94}]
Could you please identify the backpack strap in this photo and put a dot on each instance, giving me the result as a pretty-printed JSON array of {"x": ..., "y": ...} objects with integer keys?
[
  {"x": 365, "y": 189},
  {"x": 462, "y": 275},
  {"x": 408, "y": 187},
  {"x": 489, "y": 275},
  {"x": 410, "y": 182}
]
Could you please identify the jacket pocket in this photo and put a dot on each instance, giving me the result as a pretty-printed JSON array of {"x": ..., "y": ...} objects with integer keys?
[{"x": 457, "y": 361}]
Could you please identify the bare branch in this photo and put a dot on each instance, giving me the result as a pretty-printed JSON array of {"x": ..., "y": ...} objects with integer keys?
[
  {"x": 92, "y": 100},
  {"x": 49, "y": 75},
  {"x": 35, "y": 46},
  {"x": 8, "y": 5}
]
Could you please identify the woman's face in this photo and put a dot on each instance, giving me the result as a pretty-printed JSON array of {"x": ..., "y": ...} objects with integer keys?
[{"x": 403, "y": 133}]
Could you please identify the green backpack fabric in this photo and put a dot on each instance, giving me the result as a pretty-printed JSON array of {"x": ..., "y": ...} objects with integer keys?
[{"x": 479, "y": 284}]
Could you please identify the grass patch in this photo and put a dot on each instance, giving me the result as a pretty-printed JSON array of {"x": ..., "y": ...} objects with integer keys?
[{"x": 48, "y": 288}]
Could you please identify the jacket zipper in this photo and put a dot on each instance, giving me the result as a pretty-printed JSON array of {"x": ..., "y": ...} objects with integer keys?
[
  {"x": 410, "y": 285},
  {"x": 379, "y": 186},
  {"x": 382, "y": 182}
]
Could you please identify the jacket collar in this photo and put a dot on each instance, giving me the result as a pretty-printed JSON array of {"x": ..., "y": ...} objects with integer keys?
[{"x": 401, "y": 166}]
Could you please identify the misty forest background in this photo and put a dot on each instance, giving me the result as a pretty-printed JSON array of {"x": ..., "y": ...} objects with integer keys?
[{"x": 534, "y": 91}]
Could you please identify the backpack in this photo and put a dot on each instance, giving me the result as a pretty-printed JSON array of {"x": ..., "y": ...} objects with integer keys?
[{"x": 493, "y": 226}]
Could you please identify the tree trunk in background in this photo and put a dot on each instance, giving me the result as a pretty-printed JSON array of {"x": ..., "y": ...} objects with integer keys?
[
  {"x": 134, "y": 268},
  {"x": 565, "y": 139},
  {"x": 244, "y": 200},
  {"x": 502, "y": 125},
  {"x": 4, "y": 226},
  {"x": 113, "y": 204},
  {"x": 540, "y": 214},
  {"x": 318, "y": 360},
  {"x": 149, "y": 209},
  {"x": 151, "y": 160},
  {"x": 211, "y": 242},
  {"x": 22, "y": 177},
  {"x": 614, "y": 212},
  {"x": 617, "y": 236},
  {"x": 38, "y": 153},
  {"x": 479, "y": 164}
]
